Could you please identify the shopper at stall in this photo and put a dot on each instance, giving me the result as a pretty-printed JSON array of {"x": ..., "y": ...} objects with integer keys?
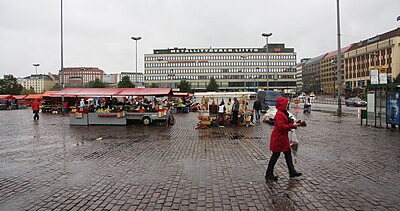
[
  {"x": 221, "y": 114},
  {"x": 257, "y": 108},
  {"x": 35, "y": 108},
  {"x": 82, "y": 104},
  {"x": 235, "y": 111}
]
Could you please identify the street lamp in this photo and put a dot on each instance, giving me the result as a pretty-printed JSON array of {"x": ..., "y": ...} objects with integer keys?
[
  {"x": 266, "y": 35},
  {"x": 136, "y": 39},
  {"x": 339, "y": 63},
  {"x": 36, "y": 85},
  {"x": 244, "y": 74},
  {"x": 62, "y": 58},
  {"x": 159, "y": 60}
]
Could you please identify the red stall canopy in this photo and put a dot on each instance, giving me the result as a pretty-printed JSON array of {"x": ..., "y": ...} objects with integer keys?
[
  {"x": 33, "y": 96},
  {"x": 89, "y": 92},
  {"x": 19, "y": 97},
  {"x": 7, "y": 97},
  {"x": 145, "y": 92}
]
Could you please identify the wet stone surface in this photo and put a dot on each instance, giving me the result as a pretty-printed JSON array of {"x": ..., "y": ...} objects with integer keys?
[{"x": 49, "y": 165}]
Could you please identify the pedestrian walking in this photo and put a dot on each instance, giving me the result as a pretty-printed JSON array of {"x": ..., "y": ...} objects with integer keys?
[
  {"x": 257, "y": 108},
  {"x": 35, "y": 108},
  {"x": 235, "y": 111},
  {"x": 279, "y": 141}
]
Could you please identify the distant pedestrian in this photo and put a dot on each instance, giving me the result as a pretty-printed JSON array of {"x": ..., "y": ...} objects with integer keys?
[
  {"x": 257, "y": 108},
  {"x": 280, "y": 139},
  {"x": 235, "y": 111},
  {"x": 221, "y": 113},
  {"x": 35, "y": 108},
  {"x": 65, "y": 107}
]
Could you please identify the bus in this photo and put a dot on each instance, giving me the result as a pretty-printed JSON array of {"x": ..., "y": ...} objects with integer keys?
[{"x": 268, "y": 98}]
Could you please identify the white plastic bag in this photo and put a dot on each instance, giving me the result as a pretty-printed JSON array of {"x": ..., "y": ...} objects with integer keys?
[{"x": 294, "y": 143}]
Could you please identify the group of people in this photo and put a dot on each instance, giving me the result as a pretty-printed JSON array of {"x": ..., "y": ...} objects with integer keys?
[{"x": 235, "y": 108}]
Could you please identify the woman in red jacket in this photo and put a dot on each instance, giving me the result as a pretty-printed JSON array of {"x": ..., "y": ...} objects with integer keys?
[
  {"x": 35, "y": 108},
  {"x": 280, "y": 140}
]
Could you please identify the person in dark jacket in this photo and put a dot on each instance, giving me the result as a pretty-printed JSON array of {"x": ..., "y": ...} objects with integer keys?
[
  {"x": 235, "y": 111},
  {"x": 257, "y": 108},
  {"x": 35, "y": 108},
  {"x": 279, "y": 141}
]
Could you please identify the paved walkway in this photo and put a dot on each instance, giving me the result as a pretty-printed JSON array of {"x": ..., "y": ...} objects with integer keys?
[{"x": 48, "y": 165}]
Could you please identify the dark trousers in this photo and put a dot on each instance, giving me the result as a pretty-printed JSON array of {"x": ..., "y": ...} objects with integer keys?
[
  {"x": 36, "y": 115},
  {"x": 274, "y": 159},
  {"x": 235, "y": 115}
]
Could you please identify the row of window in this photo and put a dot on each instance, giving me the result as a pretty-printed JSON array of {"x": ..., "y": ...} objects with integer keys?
[
  {"x": 197, "y": 71},
  {"x": 218, "y": 77},
  {"x": 222, "y": 57},
  {"x": 218, "y": 64}
]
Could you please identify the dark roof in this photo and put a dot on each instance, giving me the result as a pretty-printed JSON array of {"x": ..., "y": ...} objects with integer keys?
[{"x": 375, "y": 39}]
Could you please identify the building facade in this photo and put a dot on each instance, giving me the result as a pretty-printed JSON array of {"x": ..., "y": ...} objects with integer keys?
[
  {"x": 381, "y": 52},
  {"x": 136, "y": 79},
  {"x": 329, "y": 74},
  {"x": 40, "y": 82},
  {"x": 311, "y": 75},
  {"x": 80, "y": 76},
  {"x": 234, "y": 69},
  {"x": 299, "y": 74}
]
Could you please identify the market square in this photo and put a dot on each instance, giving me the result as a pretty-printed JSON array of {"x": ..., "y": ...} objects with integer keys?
[{"x": 50, "y": 165}]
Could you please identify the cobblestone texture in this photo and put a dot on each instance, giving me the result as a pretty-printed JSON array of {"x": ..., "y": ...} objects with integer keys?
[{"x": 49, "y": 165}]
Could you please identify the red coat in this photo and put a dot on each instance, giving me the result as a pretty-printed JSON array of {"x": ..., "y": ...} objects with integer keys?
[
  {"x": 35, "y": 105},
  {"x": 279, "y": 138}
]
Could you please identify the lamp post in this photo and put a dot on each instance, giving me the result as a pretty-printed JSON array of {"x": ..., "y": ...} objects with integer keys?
[
  {"x": 266, "y": 35},
  {"x": 159, "y": 60},
  {"x": 258, "y": 70},
  {"x": 244, "y": 73},
  {"x": 62, "y": 59},
  {"x": 339, "y": 63},
  {"x": 136, "y": 39},
  {"x": 36, "y": 85}
]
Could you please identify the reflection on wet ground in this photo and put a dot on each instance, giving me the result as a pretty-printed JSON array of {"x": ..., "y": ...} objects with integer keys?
[{"x": 48, "y": 165}]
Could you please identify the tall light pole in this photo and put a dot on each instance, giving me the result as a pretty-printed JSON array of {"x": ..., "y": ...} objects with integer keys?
[
  {"x": 36, "y": 85},
  {"x": 266, "y": 35},
  {"x": 339, "y": 63},
  {"x": 62, "y": 59},
  {"x": 244, "y": 73},
  {"x": 136, "y": 39}
]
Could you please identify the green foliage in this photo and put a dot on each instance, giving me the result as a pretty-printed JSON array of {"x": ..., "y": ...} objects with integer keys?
[
  {"x": 96, "y": 84},
  {"x": 153, "y": 85},
  {"x": 9, "y": 85},
  {"x": 185, "y": 86},
  {"x": 126, "y": 83},
  {"x": 397, "y": 79},
  {"x": 212, "y": 86},
  {"x": 31, "y": 90},
  {"x": 56, "y": 86}
]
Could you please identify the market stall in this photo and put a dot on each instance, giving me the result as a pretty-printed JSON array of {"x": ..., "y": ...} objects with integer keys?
[
  {"x": 157, "y": 112},
  {"x": 118, "y": 106},
  {"x": 6, "y": 102}
]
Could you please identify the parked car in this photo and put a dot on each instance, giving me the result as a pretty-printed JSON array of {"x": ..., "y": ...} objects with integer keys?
[{"x": 355, "y": 101}]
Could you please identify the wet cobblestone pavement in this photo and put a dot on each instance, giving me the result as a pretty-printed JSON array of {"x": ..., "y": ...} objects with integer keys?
[{"x": 49, "y": 165}]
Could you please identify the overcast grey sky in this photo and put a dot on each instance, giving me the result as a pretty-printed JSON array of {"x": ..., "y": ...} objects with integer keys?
[{"x": 97, "y": 32}]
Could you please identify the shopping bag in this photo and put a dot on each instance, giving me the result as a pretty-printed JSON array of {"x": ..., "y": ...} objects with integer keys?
[{"x": 294, "y": 143}]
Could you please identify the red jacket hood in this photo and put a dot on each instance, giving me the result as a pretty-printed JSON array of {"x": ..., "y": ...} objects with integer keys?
[{"x": 281, "y": 103}]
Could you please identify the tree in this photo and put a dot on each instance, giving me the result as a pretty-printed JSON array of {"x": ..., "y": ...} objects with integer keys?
[
  {"x": 9, "y": 85},
  {"x": 97, "y": 84},
  {"x": 185, "y": 86},
  {"x": 56, "y": 87},
  {"x": 397, "y": 79},
  {"x": 25, "y": 91},
  {"x": 153, "y": 85},
  {"x": 126, "y": 83},
  {"x": 213, "y": 85}
]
